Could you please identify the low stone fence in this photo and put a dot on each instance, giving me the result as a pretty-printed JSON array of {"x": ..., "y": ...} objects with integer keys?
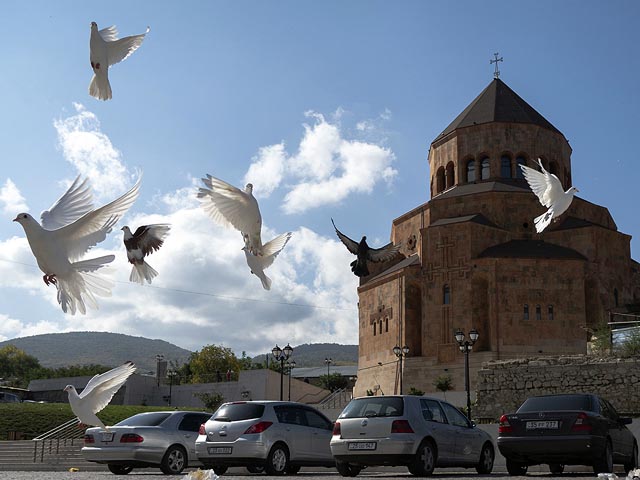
[{"x": 504, "y": 384}]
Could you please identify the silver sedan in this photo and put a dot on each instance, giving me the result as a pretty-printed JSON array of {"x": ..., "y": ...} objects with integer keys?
[{"x": 153, "y": 439}]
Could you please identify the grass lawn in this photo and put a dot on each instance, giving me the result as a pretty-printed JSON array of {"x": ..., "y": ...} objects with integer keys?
[{"x": 33, "y": 419}]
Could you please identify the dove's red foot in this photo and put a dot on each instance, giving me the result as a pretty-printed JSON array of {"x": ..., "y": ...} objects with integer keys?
[
  {"x": 49, "y": 279},
  {"x": 95, "y": 66}
]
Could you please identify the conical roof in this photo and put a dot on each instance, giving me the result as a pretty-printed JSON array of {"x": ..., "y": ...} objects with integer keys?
[{"x": 498, "y": 103}]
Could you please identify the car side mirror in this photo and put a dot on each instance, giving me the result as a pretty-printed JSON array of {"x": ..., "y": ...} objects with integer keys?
[
  {"x": 473, "y": 424},
  {"x": 625, "y": 420}
]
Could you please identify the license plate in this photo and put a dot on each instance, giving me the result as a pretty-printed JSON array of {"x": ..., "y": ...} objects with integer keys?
[
  {"x": 542, "y": 424},
  {"x": 362, "y": 446},
  {"x": 106, "y": 436},
  {"x": 219, "y": 450}
]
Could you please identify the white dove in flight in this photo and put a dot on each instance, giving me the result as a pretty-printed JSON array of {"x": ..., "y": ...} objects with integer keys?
[
  {"x": 231, "y": 207},
  {"x": 69, "y": 229},
  {"x": 97, "y": 394},
  {"x": 105, "y": 49},
  {"x": 259, "y": 263},
  {"x": 145, "y": 240},
  {"x": 548, "y": 189}
]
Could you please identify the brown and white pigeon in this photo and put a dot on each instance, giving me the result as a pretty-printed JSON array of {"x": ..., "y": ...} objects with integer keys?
[
  {"x": 69, "y": 229},
  {"x": 105, "y": 49},
  {"x": 365, "y": 253},
  {"x": 259, "y": 263},
  {"x": 231, "y": 207},
  {"x": 97, "y": 394},
  {"x": 548, "y": 189},
  {"x": 146, "y": 240}
]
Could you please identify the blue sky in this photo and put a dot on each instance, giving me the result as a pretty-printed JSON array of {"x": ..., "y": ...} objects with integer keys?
[{"x": 327, "y": 107}]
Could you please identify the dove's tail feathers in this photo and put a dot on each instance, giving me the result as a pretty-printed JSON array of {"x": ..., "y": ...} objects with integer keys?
[
  {"x": 78, "y": 289},
  {"x": 100, "y": 87},
  {"x": 543, "y": 221},
  {"x": 92, "y": 264},
  {"x": 266, "y": 281},
  {"x": 142, "y": 272}
]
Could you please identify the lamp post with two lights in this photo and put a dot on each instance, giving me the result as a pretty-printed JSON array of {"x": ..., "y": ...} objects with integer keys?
[
  {"x": 281, "y": 355},
  {"x": 465, "y": 347},
  {"x": 400, "y": 352}
]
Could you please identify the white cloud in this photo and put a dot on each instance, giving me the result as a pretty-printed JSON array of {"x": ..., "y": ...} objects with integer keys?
[
  {"x": 90, "y": 151},
  {"x": 327, "y": 167},
  {"x": 11, "y": 199}
]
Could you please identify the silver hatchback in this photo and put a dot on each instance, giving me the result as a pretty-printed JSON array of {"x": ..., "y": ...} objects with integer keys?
[
  {"x": 419, "y": 432},
  {"x": 278, "y": 437}
]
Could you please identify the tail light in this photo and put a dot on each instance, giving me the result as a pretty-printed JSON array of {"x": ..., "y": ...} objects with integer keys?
[
  {"x": 201, "y": 430},
  {"x": 582, "y": 423},
  {"x": 89, "y": 439},
  {"x": 401, "y": 426},
  {"x": 131, "y": 438},
  {"x": 336, "y": 429},
  {"x": 504, "y": 426},
  {"x": 258, "y": 427}
]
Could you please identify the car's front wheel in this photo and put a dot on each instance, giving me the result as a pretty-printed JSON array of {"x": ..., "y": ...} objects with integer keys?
[
  {"x": 632, "y": 464},
  {"x": 119, "y": 469},
  {"x": 174, "y": 460},
  {"x": 277, "y": 460},
  {"x": 516, "y": 468},
  {"x": 604, "y": 464},
  {"x": 347, "y": 470},
  {"x": 487, "y": 457},
  {"x": 425, "y": 460}
]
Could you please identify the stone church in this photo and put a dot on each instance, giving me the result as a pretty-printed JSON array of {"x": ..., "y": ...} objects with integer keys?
[{"x": 472, "y": 258}]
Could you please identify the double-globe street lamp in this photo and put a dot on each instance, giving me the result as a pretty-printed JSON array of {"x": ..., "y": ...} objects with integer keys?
[
  {"x": 281, "y": 355},
  {"x": 465, "y": 347},
  {"x": 400, "y": 352}
]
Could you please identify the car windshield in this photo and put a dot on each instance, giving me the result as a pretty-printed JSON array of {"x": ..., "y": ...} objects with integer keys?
[
  {"x": 556, "y": 402},
  {"x": 233, "y": 412},
  {"x": 374, "y": 407},
  {"x": 144, "y": 420}
]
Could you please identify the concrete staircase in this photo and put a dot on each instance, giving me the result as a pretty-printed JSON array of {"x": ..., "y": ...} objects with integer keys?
[{"x": 53, "y": 455}]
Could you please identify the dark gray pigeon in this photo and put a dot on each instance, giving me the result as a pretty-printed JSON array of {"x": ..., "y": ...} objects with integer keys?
[
  {"x": 145, "y": 240},
  {"x": 365, "y": 253}
]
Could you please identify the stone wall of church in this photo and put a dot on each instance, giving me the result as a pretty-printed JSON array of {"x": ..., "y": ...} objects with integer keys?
[{"x": 503, "y": 385}]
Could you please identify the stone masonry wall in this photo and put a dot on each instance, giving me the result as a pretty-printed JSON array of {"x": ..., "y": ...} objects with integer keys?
[{"x": 504, "y": 384}]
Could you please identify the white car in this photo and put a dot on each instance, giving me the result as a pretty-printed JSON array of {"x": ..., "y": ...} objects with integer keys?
[
  {"x": 418, "y": 432},
  {"x": 277, "y": 437}
]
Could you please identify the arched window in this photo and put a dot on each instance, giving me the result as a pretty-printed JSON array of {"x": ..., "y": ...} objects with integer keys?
[
  {"x": 386, "y": 324},
  {"x": 374, "y": 329},
  {"x": 520, "y": 161},
  {"x": 525, "y": 312},
  {"x": 440, "y": 180},
  {"x": 471, "y": 171},
  {"x": 446, "y": 295},
  {"x": 450, "y": 175},
  {"x": 505, "y": 166},
  {"x": 538, "y": 312},
  {"x": 486, "y": 168},
  {"x": 550, "y": 312}
]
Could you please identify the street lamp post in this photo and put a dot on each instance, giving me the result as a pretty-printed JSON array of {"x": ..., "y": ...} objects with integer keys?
[
  {"x": 170, "y": 374},
  {"x": 466, "y": 346},
  {"x": 400, "y": 352},
  {"x": 281, "y": 354},
  {"x": 328, "y": 361},
  {"x": 290, "y": 366}
]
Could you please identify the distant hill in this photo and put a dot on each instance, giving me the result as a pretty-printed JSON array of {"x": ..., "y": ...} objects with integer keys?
[
  {"x": 101, "y": 348},
  {"x": 313, "y": 355},
  {"x": 111, "y": 349}
]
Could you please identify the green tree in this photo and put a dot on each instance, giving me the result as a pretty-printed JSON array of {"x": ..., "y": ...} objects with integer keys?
[
  {"x": 17, "y": 367},
  {"x": 211, "y": 400},
  {"x": 443, "y": 383},
  {"x": 631, "y": 345},
  {"x": 600, "y": 338},
  {"x": 206, "y": 363},
  {"x": 333, "y": 381}
]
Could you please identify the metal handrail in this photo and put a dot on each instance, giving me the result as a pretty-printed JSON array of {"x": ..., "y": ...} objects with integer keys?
[
  {"x": 67, "y": 432},
  {"x": 336, "y": 400}
]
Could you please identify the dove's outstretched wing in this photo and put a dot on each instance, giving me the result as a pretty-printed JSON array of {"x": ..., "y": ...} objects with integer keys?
[
  {"x": 74, "y": 203},
  {"x": 545, "y": 185},
  {"x": 101, "y": 388},
  {"x": 229, "y": 206},
  {"x": 92, "y": 228},
  {"x": 151, "y": 237},
  {"x": 383, "y": 254},
  {"x": 272, "y": 248},
  {"x": 109, "y": 34},
  {"x": 350, "y": 244},
  {"x": 119, "y": 50}
]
